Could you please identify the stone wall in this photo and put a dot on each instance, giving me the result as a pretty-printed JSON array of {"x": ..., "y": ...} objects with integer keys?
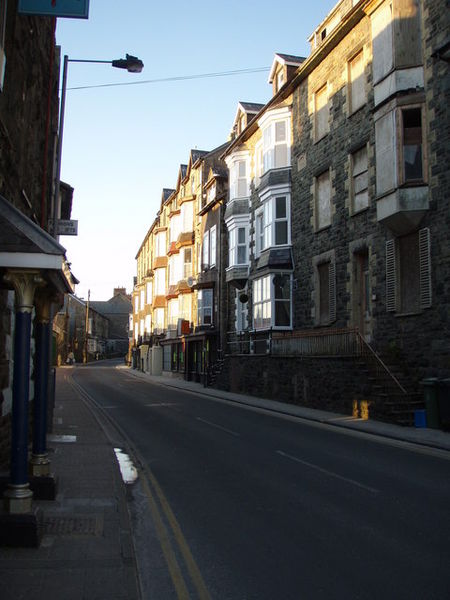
[
  {"x": 27, "y": 122},
  {"x": 299, "y": 381}
]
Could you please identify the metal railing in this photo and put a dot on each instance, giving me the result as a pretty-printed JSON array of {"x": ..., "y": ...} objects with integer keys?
[
  {"x": 329, "y": 342},
  {"x": 324, "y": 343}
]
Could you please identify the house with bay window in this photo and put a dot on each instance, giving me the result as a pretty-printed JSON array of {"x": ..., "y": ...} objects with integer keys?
[
  {"x": 258, "y": 219},
  {"x": 179, "y": 292},
  {"x": 336, "y": 217}
]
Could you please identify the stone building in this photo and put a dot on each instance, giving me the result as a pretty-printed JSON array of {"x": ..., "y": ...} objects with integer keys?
[
  {"x": 364, "y": 296},
  {"x": 179, "y": 291},
  {"x": 117, "y": 310},
  {"x": 335, "y": 262},
  {"x": 34, "y": 273}
]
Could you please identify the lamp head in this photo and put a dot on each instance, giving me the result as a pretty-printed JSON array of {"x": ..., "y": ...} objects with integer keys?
[{"x": 131, "y": 63}]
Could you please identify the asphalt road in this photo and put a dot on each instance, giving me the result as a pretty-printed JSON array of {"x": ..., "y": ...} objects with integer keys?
[{"x": 236, "y": 503}]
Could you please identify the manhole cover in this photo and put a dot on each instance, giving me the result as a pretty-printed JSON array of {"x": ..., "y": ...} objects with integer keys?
[{"x": 73, "y": 525}]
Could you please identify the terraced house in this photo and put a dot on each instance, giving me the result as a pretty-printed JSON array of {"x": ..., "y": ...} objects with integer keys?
[
  {"x": 178, "y": 296},
  {"x": 337, "y": 276}
]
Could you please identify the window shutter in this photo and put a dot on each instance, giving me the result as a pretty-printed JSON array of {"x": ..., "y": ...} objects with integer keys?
[
  {"x": 391, "y": 277},
  {"x": 425, "y": 267},
  {"x": 332, "y": 290}
]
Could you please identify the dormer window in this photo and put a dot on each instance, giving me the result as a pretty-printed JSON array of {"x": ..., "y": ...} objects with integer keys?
[
  {"x": 275, "y": 146},
  {"x": 280, "y": 79},
  {"x": 241, "y": 123}
]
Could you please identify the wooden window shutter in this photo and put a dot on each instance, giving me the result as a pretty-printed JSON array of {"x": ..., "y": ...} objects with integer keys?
[
  {"x": 332, "y": 290},
  {"x": 391, "y": 277},
  {"x": 425, "y": 268}
]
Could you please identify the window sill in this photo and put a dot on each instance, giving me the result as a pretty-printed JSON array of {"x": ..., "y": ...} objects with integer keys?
[
  {"x": 356, "y": 110},
  {"x": 324, "y": 228},
  {"x": 354, "y": 213},
  {"x": 321, "y": 138},
  {"x": 408, "y": 314}
]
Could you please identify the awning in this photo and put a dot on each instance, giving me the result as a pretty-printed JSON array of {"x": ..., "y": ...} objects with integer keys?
[{"x": 24, "y": 245}]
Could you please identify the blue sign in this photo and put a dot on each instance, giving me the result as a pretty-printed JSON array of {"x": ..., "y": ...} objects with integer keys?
[{"x": 77, "y": 9}]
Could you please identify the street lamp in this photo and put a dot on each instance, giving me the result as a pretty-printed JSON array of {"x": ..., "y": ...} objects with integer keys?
[{"x": 133, "y": 65}]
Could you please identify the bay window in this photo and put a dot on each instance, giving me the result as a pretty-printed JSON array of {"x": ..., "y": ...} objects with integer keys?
[
  {"x": 238, "y": 244},
  {"x": 160, "y": 244},
  {"x": 149, "y": 292},
  {"x": 412, "y": 144},
  {"x": 187, "y": 216},
  {"x": 175, "y": 227},
  {"x": 160, "y": 282},
  {"x": 172, "y": 313},
  {"x": 205, "y": 307},
  {"x": 174, "y": 269},
  {"x": 399, "y": 148},
  {"x": 273, "y": 222},
  {"x": 158, "y": 319},
  {"x": 272, "y": 301},
  {"x": 187, "y": 262},
  {"x": 185, "y": 306},
  {"x": 209, "y": 247},
  {"x": 276, "y": 145},
  {"x": 238, "y": 166}
]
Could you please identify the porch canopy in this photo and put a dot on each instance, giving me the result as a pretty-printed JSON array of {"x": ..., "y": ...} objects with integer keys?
[{"x": 24, "y": 245}]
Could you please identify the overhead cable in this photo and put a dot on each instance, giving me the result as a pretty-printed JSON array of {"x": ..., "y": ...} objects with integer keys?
[{"x": 179, "y": 78}]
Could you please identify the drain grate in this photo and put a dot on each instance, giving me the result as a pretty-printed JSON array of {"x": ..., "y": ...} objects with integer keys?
[{"x": 73, "y": 525}]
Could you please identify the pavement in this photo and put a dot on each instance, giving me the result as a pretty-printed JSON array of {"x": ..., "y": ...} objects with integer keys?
[{"x": 87, "y": 550}]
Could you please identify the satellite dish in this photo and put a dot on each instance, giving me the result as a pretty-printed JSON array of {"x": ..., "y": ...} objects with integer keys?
[
  {"x": 243, "y": 298},
  {"x": 190, "y": 281}
]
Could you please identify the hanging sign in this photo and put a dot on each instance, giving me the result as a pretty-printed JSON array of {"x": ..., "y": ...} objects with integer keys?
[{"x": 76, "y": 9}]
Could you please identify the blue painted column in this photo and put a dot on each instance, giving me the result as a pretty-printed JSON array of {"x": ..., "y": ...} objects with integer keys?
[
  {"x": 40, "y": 464},
  {"x": 18, "y": 496}
]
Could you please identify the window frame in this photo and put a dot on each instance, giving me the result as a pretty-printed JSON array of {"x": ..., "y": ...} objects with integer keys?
[
  {"x": 269, "y": 199},
  {"x": 319, "y": 135},
  {"x": 400, "y": 110},
  {"x": 352, "y": 107},
  {"x": 202, "y": 307},
  {"x": 318, "y": 225},
  {"x": 234, "y": 244},
  {"x": 264, "y": 297},
  {"x": 352, "y": 186}
]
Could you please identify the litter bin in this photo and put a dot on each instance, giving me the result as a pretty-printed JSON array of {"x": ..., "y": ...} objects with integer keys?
[
  {"x": 444, "y": 402},
  {"x": 430, "y": 392}
]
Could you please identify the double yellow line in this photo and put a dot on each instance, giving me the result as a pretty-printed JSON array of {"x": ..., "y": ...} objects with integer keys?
[
  {"x": 148, "y": 482},
  {"x": 159, "y": 508}
]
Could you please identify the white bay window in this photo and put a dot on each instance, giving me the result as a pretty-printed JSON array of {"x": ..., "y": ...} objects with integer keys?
[
  {"x": 238, "y": 246},
  {"x": 272, "y": 302},
  {"x": 275, "y": 127}
]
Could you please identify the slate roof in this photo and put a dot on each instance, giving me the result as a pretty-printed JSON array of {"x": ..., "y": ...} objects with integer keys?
[
  {"x": 290, "y": 58},
  {"x": 251, "y": 107},
  {"x": 166, "y": 193}
]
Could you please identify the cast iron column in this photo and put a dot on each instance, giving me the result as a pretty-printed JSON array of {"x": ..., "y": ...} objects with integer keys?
[
  {"x": 40, "y": 464},
  {"x": 18, "y": 496}
]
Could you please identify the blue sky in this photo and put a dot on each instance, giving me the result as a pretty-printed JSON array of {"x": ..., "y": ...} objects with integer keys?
[{"x": 123, "y": 144}]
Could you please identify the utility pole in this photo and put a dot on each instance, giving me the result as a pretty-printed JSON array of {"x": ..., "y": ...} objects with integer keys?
[{"x": 86, "y": 330}]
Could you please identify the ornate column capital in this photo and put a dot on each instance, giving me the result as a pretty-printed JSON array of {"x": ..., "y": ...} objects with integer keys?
[{"x": 24, "y": 284}]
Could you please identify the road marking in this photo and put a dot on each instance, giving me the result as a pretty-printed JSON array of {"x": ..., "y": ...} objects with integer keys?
[
  {"x": 218, "y": 426},
  {"x": 160, "y": 404},
  {"x": 330, "y": 473},
  {"x": 148, "y": 480},
  {"x": 191, "y": 565},
  {"x": 166, "y": 546}
]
